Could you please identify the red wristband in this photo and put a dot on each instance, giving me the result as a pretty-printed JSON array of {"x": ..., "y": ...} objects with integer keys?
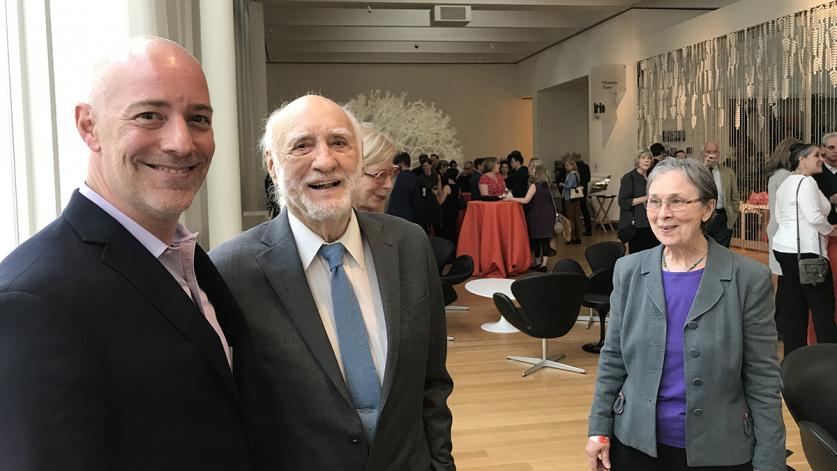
[{"x": 600, "y": 439}]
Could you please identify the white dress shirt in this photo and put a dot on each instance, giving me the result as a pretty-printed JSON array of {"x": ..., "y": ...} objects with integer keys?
[
  {"x": 360, "y": 270},
  {"x": 716, "y": 175},
  {"x": 813, "y": 217}
]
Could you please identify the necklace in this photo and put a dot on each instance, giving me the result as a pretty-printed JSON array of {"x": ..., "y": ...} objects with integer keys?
[{"x": 692, "y": 267}]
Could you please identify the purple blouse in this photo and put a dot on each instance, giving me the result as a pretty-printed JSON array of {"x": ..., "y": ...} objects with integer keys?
[{"x": 680, "y": 289}]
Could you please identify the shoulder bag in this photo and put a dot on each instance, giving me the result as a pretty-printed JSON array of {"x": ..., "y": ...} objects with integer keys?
[
  {"x": 811, "y": 270},
  {"x": 557, "y": 226}
]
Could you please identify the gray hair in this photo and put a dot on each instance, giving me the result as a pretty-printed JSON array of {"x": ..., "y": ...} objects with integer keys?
[
  {"x": 827, "y": 136},
  {"x": 642, "y": 153},
  {"x": 695, "y": 172},
  {"x": 377, "y": 147}
]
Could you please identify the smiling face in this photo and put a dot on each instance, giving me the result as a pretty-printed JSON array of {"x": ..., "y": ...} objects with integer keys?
[
  {"x": 677, "y": 228},
  {"x": 315, "y": 160},
  {"x": 810, "y": 163},
  {"x": 150, "y": 134}
]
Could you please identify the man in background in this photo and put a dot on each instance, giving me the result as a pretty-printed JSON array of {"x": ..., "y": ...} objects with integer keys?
[
  {"x": 474, "y": 184},
  {"x": 584, "y": 179},
  {"x": 518, "y": 180},
  {"x": 117, "y": 330},
  {"x": 404, "y": 199},
  {"x": 727, "y": 208},
  {"x": 346, "y": 370},
  {"x": 463, "y": 181}
]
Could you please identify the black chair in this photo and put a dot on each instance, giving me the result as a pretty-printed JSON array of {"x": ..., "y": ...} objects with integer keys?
[
  {"x": 598, "y": 299},
  {"x": 461, "y": 269},
  {"x": 568, "y": 265},
  {"x": 540, "y": 316},
  {"x": 809, "y": 387},
  {"x": 443, "y": 249},
  {"x": 604, "y": 254}
]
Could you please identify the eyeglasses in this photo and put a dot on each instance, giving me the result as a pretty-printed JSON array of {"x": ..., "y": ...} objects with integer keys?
[
  {"x": 674, "y": 204},
  {"x": 381, "y": 175}
]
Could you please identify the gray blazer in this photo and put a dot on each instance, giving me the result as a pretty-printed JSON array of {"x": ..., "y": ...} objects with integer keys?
[
  {"x": 295, "y": 397},
  {"x": 734, "y": 409}
]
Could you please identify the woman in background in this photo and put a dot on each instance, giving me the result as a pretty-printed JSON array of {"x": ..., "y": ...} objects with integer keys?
[
  {"x": 631, "y": 199},
  {"x": 375, "y": 183},
  {"x": 779, "y": 168},
  {"x": 799, "y": 194},
  {"x": 540, "y": 216},
  {"x": 572, "y": 206},
  {"x": 448, "y": 198},
  {"x": 491, "y": 183},
  {"x": 429, "y": 183}
]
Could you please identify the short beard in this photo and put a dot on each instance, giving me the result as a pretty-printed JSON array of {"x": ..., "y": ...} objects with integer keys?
[{"x": 294, "y": 196}]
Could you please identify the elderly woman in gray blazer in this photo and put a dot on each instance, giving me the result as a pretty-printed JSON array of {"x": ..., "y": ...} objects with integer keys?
[{"x": 688, "y": 377}]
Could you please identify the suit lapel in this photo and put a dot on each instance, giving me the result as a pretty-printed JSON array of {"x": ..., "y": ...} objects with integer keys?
[
  {"x": 385, "y": 256},
  {"x": 652, "y": 271},
  {"x": 718, "y": 268},
  {"x": 282, "y": 267},
  {"x": 125, "y": 255}
]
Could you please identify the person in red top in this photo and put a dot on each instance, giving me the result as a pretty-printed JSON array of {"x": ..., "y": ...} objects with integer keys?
[{"x": 491, "y": 183}]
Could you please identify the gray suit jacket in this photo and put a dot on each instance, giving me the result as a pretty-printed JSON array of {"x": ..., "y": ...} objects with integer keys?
[
  {"x": 295, "y": 396},
  {"x": 734, "y": 409}
]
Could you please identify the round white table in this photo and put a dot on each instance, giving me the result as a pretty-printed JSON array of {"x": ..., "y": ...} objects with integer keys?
[{"x": 486, "y": 287}]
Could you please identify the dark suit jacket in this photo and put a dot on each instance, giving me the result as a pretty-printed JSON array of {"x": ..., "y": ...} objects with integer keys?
[
  {"x": 632, "y": 186},
  {"x": 105, "y": 363},
  {"x": 297, "y": 401},
  {"x": 404, "y": 198},
  {"x": 827, "y": 182},
  {"x": 584, "y": 173},
  {"x": 518, "y": 182},
  {"x": 734, "y": 409}
]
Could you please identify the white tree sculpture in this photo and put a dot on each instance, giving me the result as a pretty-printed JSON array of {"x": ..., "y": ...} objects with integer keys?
[{"x": 415, "y": 127}]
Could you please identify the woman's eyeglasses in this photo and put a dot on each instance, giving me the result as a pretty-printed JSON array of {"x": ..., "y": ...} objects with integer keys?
[
  {"x": 381, "y": 175},
  {"x": 674, "y": 204}
]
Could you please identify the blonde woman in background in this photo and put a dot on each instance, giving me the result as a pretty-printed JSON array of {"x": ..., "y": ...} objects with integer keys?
[{"x": 372, "y": 188}]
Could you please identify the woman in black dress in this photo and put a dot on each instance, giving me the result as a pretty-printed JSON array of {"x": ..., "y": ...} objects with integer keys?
[
  {"x": 540, "y": 216},
  {"x": 448, "y": 198},
  {"x": 632, "y": 197},
  {"x": 429, "y": 184}
]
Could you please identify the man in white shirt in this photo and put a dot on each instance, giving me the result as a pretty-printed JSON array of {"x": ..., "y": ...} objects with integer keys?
[
  {"x": 346, "y": 368},
  {"x": 116, "y": 329},
  {"x": 728, "y": 205}
]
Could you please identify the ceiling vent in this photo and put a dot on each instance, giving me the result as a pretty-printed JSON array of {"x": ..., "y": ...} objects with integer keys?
[{"x": 451, "y": 15}]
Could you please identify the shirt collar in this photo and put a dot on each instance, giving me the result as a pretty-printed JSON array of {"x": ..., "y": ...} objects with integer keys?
[
  {"x": 308, "y": 243},
  {"x": 829, "y": 167},
  {"x": 146, "y": 238}
]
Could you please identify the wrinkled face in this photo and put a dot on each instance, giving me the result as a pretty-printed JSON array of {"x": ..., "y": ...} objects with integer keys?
[
  {"x": 644, "y": 162},
  {"x": 811, "y": 163},
  {"x": 711, "y": 154},
  {"x": 830, "y": 151},
  {"x": 373, "y": 186},
  {"x": 677, "y": 227},
  {"x": 152, "y": 139},
  {"x": 316, "y": 160}
]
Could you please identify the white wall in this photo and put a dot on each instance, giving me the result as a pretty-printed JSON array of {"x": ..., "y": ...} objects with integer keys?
[
  {"x": 482, "y": 101},
  {"x": 562, "y": 124},
  {"x": 626, "y": 39}
]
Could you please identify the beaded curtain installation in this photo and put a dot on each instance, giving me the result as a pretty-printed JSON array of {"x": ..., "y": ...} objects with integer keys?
[{"x": 746, "y": 91}]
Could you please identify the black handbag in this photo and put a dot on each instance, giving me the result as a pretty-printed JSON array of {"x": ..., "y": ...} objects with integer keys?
[{"x": 812, "y": 271}]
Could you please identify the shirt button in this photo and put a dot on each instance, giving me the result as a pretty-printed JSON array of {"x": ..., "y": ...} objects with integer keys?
[
  {"x": 697, "y": 381},
  {"x": 692, "y": 325},
  {"x": 694, "y": 353},
  {"x": 697, "y": 412},
  {"x": 356, "y": 441}
]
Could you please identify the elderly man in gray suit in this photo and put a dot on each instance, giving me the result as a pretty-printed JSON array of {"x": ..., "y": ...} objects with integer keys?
[{"x": 346, "y": 365}]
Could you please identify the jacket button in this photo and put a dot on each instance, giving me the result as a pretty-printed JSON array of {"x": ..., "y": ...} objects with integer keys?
[
  {"x": 356, "y": 441},
  {"x": 694, "y": 353},
  {"x": 697, "y": 412},
  {"x": 692, "y": 325},
  {"x": 697, "y": 381}
]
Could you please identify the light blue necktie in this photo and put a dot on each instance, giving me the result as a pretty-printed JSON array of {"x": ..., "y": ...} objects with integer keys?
[{"x": 361, "y": 376}]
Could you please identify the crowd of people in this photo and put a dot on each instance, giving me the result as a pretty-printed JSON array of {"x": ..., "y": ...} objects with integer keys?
[{"x": 129, "y": 347}]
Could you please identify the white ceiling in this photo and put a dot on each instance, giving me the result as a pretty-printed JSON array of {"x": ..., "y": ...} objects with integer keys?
[{"x": 400, "y": 31}]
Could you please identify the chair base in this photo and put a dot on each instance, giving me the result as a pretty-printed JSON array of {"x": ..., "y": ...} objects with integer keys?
[
  {"x": 541, "y": 363},
  {"x": 456, "y": 308}
]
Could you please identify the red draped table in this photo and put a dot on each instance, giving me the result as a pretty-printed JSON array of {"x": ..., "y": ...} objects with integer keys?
[{"x": 494, "y": 234}]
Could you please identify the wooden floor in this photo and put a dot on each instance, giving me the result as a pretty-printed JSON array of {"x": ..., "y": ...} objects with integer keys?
[{"x": 504, "y": 422}]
